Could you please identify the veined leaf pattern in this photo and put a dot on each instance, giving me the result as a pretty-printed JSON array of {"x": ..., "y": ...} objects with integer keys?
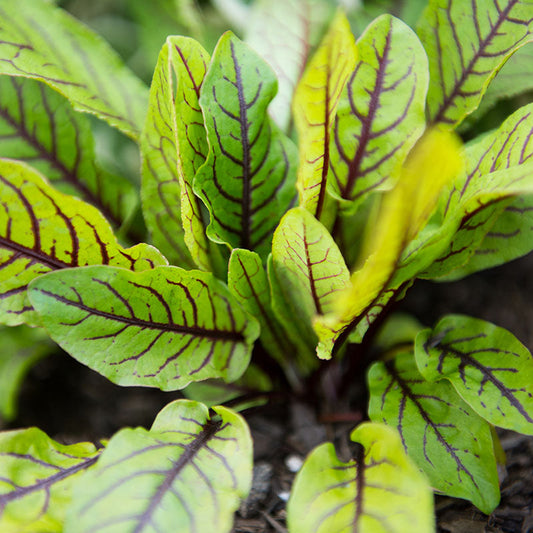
[
  {"x": 446, "y": 439},
  {"x": 22, "y": 347},
  {"x": 42, "y": 229},
  {"x": 315, "y": 104},
  {"x": 248, "y": 282},
  {"x": 429, "y": 170},
  {"x": 284, "y": 33},
  {"x": 467, "y": 43},
  {"x": 509, "y": 234},
  {"x": 174, "y": 146},
  {"x": 160, "y": 328},
  {"x": 488, "y": 366},
  {"x": 41, "y": 41},
  {"x": 381, "y": 113},
  {"x": 379, "y": 490},
  {"x": 36, "y": 479},
  {"x": 188, "y": 473},
  {"x": 308, "y": 265},
  {"x": 39, "y": 126},
  {"x": 248, "y": 179}
]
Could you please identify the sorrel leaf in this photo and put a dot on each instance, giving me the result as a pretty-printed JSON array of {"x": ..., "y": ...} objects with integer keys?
[
  {"x": 173, "y": 147},
  {"x": 188, "y": 473},
  {"x": 41, "y": 41},
  {"x": 446, "y": 439},
  {"x": 467, "y": 43},
  {"x": 248, "y": 282},
  {"x": 381, "y": 113},
  {"x": 314, "y": 107},
  {"x": 431, "y": 167},
  {"x": 378, "y": 490},
  {"x": 248, "y": 180},
  {"x": 36, "y": 479},
  {"x": 160, "y": 328},
  {"x": 308, "y": 265},
  {"x": 42, "y": 229},
  {"x": 283, "y": 34},
  {"x": 488, "y": 366},
  {"x": 21, "y": 348},
  {"x": 39, "y": 126}
]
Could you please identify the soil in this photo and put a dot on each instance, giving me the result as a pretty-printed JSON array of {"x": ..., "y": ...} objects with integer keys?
[{"x": 72, "y": 403}]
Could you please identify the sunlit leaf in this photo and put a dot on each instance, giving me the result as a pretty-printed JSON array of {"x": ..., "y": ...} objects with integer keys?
[
  {"x": 467, "y": 42},
  {"x": 284, "y": 33},
  {"x": 248, "y": 180},
  {"x": 431, "y": 166},
  {"x": 315, "y": 105},
  {"x": 381, "y": 113},
  {"x": 42, "y": 229},
  {"x": 21, "y": 348},
  {"x": 173, "y": 147},
  {"x": 308, "y": 265},
  {"x": 446, "y": 439},
  {"x": 188, "y": 473},
  {"x": 161, "y": 328},
  {"x": 39, "y": 126},
  {"x": 36, "y": 479},
  {"x": 41, "y": 41},
  {"x": 488, "y": 366},
  {"x": 378, "y": 491}
]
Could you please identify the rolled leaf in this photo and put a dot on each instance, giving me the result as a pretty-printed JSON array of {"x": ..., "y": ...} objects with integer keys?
[
  {"x": 488, "y": 366},
  {"x": 173, "y": 147},
  {"x": 188, "y": 473},
  {"x": 440, "y": 432},
  {"x": 160, "y": 328},
  {"x": 380, "y": 490},
  {"x": 432, "y": 165},
  {"x": 248, "y": 282},
  {"x": 22, "y": 347},
  {"x": 284, "y": 33},
  {"x": 42, "y": 229},
  {"x": 381, "y": 113},
  {"x": 36, "y": 479},
  {"x": 38, "y": 40},
  {"x": 467, "y": 43},
  {"x": 308, "y": 265},
  {"x": 248, "y": 179},
  {"x": 315, "y": 105},
  {"x": 38, "y": 126}
]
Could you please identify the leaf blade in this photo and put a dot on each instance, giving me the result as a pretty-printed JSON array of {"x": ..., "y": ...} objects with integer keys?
[{"x": 161, "y": 328}]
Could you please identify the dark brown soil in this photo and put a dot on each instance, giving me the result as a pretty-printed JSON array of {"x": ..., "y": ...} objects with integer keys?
[{"x": 72, "y": 403}]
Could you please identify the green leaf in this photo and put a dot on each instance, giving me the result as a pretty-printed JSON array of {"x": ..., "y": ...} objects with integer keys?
[
  {"x": 38, "y": 126},
  {"x": 41, "y": 41},
  {"x": 446, "y": 439},
  {"x": 308, "y": 265},
  {"x": 378, "y": 491},
  {"x": 488, "y": 366},
  {"x": 22, "y": 347},
  {"x": 42, "y": 229},
  {"x": 314, "y": 106},
  {"x": 381, "y": 113},
  {"x": 160, "y": 328},
  {"x": 284, "y": 33},
  {"x": 173, "y": 147},
  {"x": 508, "y": 234},
  {"x": 36, "y": 479},
  {"x": 513, "y": 79},
  {"x": 188, "y": 473},
  {"x": 248, "y": 180},
  {"x": 467, "y": 43},
  {"x": 248, "y": 282}
]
